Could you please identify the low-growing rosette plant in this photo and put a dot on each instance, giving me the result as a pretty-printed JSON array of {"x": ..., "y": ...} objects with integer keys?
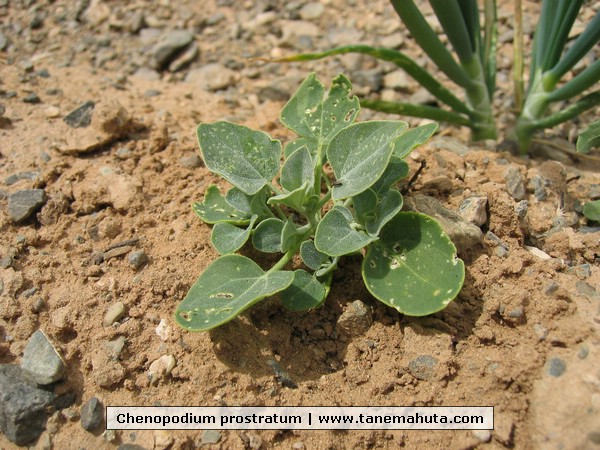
[{"x": 331, "y": 192}]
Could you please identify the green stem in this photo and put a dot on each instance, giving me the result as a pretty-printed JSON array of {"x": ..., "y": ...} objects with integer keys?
[{"x": 284, "y": 260}]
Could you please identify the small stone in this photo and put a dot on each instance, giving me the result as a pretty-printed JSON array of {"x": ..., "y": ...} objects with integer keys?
[
  {"x": 551, "y": 288},
  {"x": 211, "y": 437},
  {"x": 115, "y": 252},
  {"x": 586, "y": 289},
  {"x": 583, "y": 352},
  {"x": 473, "y": 209},
  {"x": 163, "y": 330},
  {"x": 114, "y": 313},
  {"x": 397, "y": 80},
  {"x": 123, "y": 153},
  {"x": 311, "y": 11},
  {"x": 115, "y": 347},
  {"x": 540, "y": 331},
  {"x": 32, "y": 98},
  {"x": 16, "y": 177},
  {"x": 110, "y": 436},
  {"x": 356, "y": 319},
  {"x": 80, "y": 117},
  {"x": 556, "y": 367},
  {"x": 161, "y": 368},
  {"x": 521, "y": 209},
  {"x": 22, "y": 406},
  {"x": 482, "y": 435},
  {"x": 185, "y": 59},
  {"x": 22, "y": 204},
  {"x": 423, "y": 367},
  {"x": 463, "y": 234},
  {"x": 41, "y": 362},
  {"x": 212, "y": 77},
  {"x": 538, "y": 253},
  {"x": 163, "y": 440},
  {"x": 583, "y": 271},
  {"x": 514, "y": 183},
  {"x": 137, "y": 259},
  {"x": 516, "y": 313},
  {"x": 169, "y": 46},
  {"x": 192, "y": 161},
  {"x": 52, "y": 112},
  {"x": 594, "y": 437},
  {"x": 3, "y": 41},
  {"x": 92, "y": 414}
]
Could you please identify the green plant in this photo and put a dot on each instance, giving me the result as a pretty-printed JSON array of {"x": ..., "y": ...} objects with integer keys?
[
  {"x": 409, "y": 263},
  {"x": 588, "y": 139},
  {"x": 474, "y": 67}
]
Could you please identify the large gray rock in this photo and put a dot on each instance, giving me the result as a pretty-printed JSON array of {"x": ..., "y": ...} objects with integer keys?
[
  {"x": 24, "y": 407},
  {"x": 169, "y": 47},
  {"x": 463, "y": 234},
  {"x": 41, "y": 362},
  {"x": 22, "y": 204}
]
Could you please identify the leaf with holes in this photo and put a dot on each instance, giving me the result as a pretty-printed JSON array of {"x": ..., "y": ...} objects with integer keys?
[
  {"x": 306, "y": 292},
  {"x": 215, "y": 209},
  {"x": 316, "y": 118},
  {"x": 246, "y": 158},
  {"x": 336, "y": 236},
  {"x": 413, "y": 267},
  {"x": 227, "y": 287},
  {"x": 360, "y": 154}
]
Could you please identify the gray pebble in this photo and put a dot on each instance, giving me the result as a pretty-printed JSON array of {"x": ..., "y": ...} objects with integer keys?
[
  {"x": 22, "y": 204},
  {"x": 192, "y": 161},
  {"x": 15, "y": 177},
  {"x": 211, "y": 437},
  {"x": 521, "y": 209},
  {"x": 540, "y": 331},
  {"x": 583, "y": 352},
  {"x": 92, "y": 414},
  {"x": 514, "y": 183},
  {"x": 555, "y": 367},
  {"x": 473, "y": 209},
  {"x": 137, "y": 259},
  {"x": 586, "y": 289},
  {"x": 356, "y": 319},
  {"x": 583, "y": 271},
  {"x": 423, "y": 367},
  {"x": 123, "y": 153},
  {"x": 185, "y": 59},
  {"x": 41, "y": 362},
  {"x": 6, "y": 262},
  {"x": 538, "y": 186},
  {"x": 81, "y": 116},
  {"x": 114, "y": 313},
  {"x": 32, "y": 98},
  {"x": 551, "y": 288},
  {"x": 169, "y": 45},
  {"x": 3, "y": 41},
  {"x": 516, "y": 313}
]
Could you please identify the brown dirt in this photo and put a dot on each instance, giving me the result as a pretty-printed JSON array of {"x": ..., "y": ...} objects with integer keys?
[{"x": 493, "y": 344}]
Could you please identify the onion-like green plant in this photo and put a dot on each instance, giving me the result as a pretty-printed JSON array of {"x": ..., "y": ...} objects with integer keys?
[{"x": 472, "y": 67}]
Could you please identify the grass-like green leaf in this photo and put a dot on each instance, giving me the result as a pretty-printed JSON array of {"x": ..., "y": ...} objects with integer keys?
[
  {"x": 335, "y": 235},
  {"x": 231, "y": 284},
  {"x": 360, "y": 153},
  {"x": 413, "y": 267},
  {"x": 306, "y": 292},
  {"x": 216, "y": 209},
  {"x": 248, "y": 159}
]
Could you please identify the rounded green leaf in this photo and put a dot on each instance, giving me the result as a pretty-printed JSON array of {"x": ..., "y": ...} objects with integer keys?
[
  {"x": 239, "y": 200},
  {"x": 267, "y": 236},
  {"x": 297, "y": 170},
  {"x": 311, "y": 257},
  {"x": 246, "y": 158},
  {"x": 305, "y": 292},
  {"x": 231, "y": 284},
  {"x": 335, "y": 235},
  {"x": 413, "y": 267},
  {"x": 591, "y": 210},
  {"x": 227, "y": 238},
  {"x": 373, "y": 212},
  {"x": 215, "y": 209},
  {"x": 413, "y": 138},
  {"x": 360, "y": 153}
]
